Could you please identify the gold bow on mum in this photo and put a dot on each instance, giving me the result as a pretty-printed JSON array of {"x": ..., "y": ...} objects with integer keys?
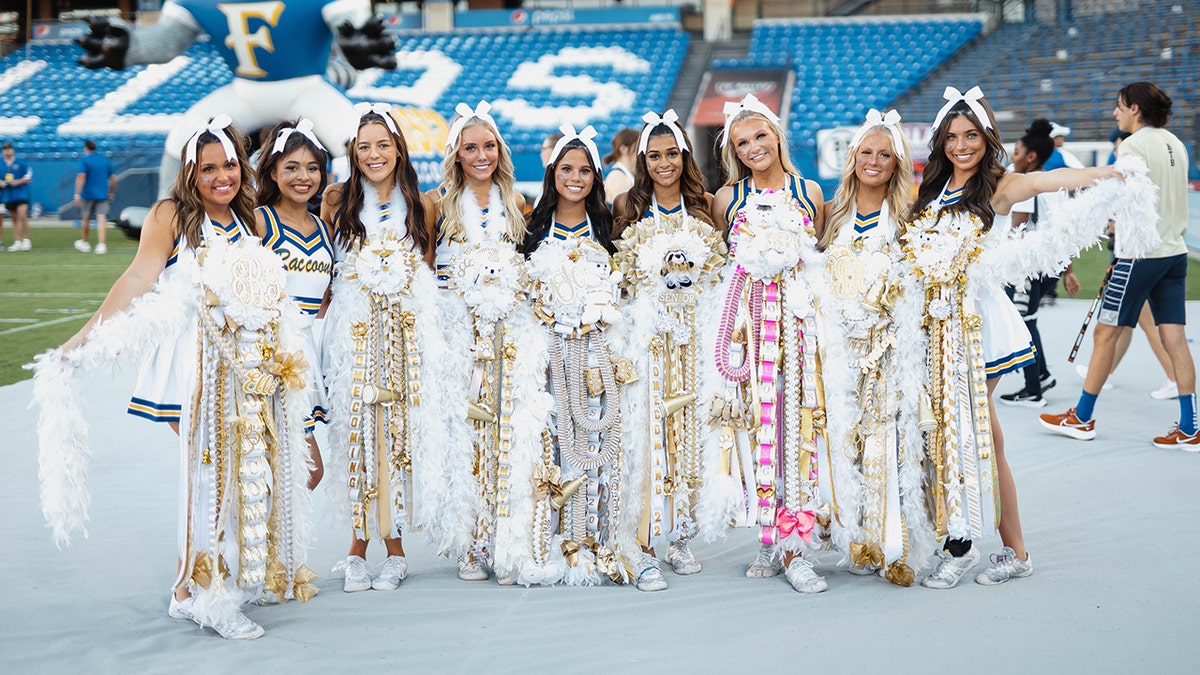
[
  {"x": 276, "y": 580},
  {"x": 202, "y": 570},
  {"x": 290, "y": 368},
  {"x": 302, "y": 586},
  {"x": 900, "y": 574},
  {"x": 547, "y": 481},
  {"x": 866, "y": 555}
]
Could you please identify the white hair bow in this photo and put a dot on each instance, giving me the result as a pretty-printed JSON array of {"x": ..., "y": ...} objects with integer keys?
[
  {"x": 384, "y": 110},
  {"x": 652, "y": 120},
  {"x": 890, "y": 120},
  {"x": 751, "y": 103},
  {"x": 585, "y": 136},
  {"x": 465, "y": 113},
  {"x": 971, "y": 98},
  {"x": 216, "y": 126},
  {"x": 304, "y": 127}
]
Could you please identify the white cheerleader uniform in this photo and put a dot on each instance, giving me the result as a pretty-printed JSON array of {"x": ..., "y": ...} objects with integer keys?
[
  {"x": 160, "y": 390},
  {"x": 308, "y": 261}
]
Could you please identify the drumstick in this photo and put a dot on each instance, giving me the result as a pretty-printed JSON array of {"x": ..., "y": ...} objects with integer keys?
[{"x": 1088, "y": 319}]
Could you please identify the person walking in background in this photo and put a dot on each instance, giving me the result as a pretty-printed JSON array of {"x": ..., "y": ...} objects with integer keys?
[
  {"x": 95, "y": 185},
  {"x": 1161, "y": 278},
  {"x": 621, "y": 162},
  {"x": 15, "y": 177}
]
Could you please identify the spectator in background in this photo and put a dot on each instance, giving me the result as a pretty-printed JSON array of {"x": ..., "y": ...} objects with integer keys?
[
  {"x": 95, "y": 185},
  {"x": 621, "y": 161},
  {"x": 1115, "y": 138},
  {"x": 15, "y": 177},
  {"x": 548, "y": 146},
  {"x": 1060, "y": 158}
]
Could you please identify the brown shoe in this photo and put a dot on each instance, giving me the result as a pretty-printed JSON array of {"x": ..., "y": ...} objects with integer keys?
[{"x": 1069, "y": 425}]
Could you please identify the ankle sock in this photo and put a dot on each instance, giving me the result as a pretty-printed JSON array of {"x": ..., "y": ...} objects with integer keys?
[
  {"x": 1086, "y": 406},
  {"x": 1187, "y": 414}
]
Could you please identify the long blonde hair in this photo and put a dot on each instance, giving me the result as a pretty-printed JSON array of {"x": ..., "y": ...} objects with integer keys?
[
  {"x": 734, "y": 169},
  {"x": 899, "y": 189},
  {"x": 455, "y": 186}
]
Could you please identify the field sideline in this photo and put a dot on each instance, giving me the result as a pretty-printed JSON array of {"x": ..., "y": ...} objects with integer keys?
[{"x": 46, "y": 294}]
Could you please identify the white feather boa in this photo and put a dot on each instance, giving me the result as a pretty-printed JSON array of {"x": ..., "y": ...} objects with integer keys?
[{"x": 1070, "y": 225}]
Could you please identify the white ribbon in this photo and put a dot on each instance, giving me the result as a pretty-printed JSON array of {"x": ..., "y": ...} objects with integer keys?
[
  {"x": 216, "y": 126},
  {"x": 384, "y": 110},
  {"x": 465, "y": 113},
  {"x": 891, "y": 121},
  {"x": 751, "y": 103},
  {"x": 585, "y": 136},
  {"x": 652, "y": 120},
  {"x": 971, "y": 98},
  {"x": 304, "y": 127}
]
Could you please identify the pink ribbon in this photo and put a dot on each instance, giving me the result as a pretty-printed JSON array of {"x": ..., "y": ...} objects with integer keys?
[{"x": 789, "y": 523}]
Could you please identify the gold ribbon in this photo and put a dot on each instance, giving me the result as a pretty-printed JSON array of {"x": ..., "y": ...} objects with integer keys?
[
  {"x": 570, "y": 550},
  {"x": 900, "y": 574},
  {"x": 608, "y": 564},
  {"x": 547, "y": 481},
  {"x": 202, "y": 570},
  {"x": 867, "y": 555},
  {"x": 302, "y": 586},
  {"x": 290, "y": 368},
  {"x": 276, "y": 580}
]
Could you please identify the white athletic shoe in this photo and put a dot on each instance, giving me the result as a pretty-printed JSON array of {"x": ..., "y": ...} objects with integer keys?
[
  {"x": 181, "y": 609},
  {"x": 765, "y": 564},
  {"x": 1005, "y": 566},
  {"x": 391, "y": 573},
  {"x": 470, "y": 569},
  {"x": 101, "y": 249},
  {"x": 801, "y": 576},
  {"x": 1166, "y": 392},
  {"x": 950, "y": 570},
  {"x": 235, "y": 626},
  {"x": 681, "y": 559},
  {"x": 25, "y": 245},
  {"x": 650, "y": 578},
  {"x": 358, "y": 578},
  {"x": 82, "y": 246},
  {"x": 1082, "y": 370}
]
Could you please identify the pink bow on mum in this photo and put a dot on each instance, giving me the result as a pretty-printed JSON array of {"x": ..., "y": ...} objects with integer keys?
[{"x": 799, "y": 523}]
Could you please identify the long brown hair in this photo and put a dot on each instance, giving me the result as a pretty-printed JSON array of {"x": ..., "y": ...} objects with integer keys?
[
  {"x": 503, "y": 177},
  {"x": 268, "y": 189},
  {"x": 348, "y": 228},
  {"x": 638, "y": 198},
  {"x": 189, "y": 208},
  {"x": 978, "y": 191},
  {"x": 542, "y": 217},
  {"x": 846, "y": 198}
]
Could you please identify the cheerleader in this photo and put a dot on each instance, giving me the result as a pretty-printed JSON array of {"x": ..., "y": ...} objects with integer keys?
[
  {"x": 481, "y": 220},
  {"x": 875, "y": 461},
  {"x": 290, "y": 175},
  {"x": 222, "y": 373},
  {"x": 579, "y": 487},
  {"x": 762, "y": 467},
  {"x": 395, "y": 420},
  {"x": 958, "y": 244},
  {"x": 670, "y": 257}
]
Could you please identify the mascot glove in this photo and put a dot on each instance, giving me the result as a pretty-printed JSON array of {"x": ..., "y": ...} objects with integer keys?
[
  {"x": 105, "y": 44},
  {"x": 368, "y": 46}
]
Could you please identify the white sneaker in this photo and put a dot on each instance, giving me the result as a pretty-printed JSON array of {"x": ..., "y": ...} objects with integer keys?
[
  {"x": 25, "y": 245},
  {"x": 1167, "y": 391},
  {"x": 1082, "y": 370},
  {"x": 801, "y": 576},
  {"x": 765, "y": 564},
  {"x": 391, "y": 573},
  {"x": 235, "y": 626},
  {"x": 358, "y": 578},
  {"x": 181, "y": 609},
  {"x": 681, "y": 559},
  {"x": 950, "y": 570},
  {"x": 1005, "y": 566},
  {"x": 863, "y": 570},
  {"x": 650, "y": 578},
  {"x": 82, "y": 246},
  {"x": 101, "y": 249},
  {"x": 470, "y": 569}
]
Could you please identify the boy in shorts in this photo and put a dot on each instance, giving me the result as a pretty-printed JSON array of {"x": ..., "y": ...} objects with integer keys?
[
  {"x": 1143, "y": 110},
  {"x": 15, "y": 177},
  {"x": 95, "y": 184}
]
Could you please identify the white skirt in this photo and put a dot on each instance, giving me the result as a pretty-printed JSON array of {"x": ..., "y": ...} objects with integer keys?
[
  {"x": 1007, "y": 345},
  {"x": 160, "y": 393}
]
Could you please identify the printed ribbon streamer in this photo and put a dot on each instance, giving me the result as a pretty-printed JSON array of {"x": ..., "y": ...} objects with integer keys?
[
  {"x": 795, "y": 523},
  {"x": 971, "y": 98},
  {"x": 304, "y": 127},
  {"x": 585, "y": 136},
  {"x": 890, "y": 120},
  {"x": 465, "y": 114},
  {"x": 750, "y": 103},
  {"x": 384, "y": 110},
  {"x": 216, "y": 126},
  {"x": 671, "y": 119}
]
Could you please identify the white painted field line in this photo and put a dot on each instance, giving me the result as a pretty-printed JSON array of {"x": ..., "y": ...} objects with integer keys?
[
  {"x": 17, "y": 320},
  {"x": 42, "y": 324}
]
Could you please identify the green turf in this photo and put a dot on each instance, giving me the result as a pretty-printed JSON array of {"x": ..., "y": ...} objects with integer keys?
[
  {"x": 55, "y": 283},
  {"x": 48, "y": 293}
]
